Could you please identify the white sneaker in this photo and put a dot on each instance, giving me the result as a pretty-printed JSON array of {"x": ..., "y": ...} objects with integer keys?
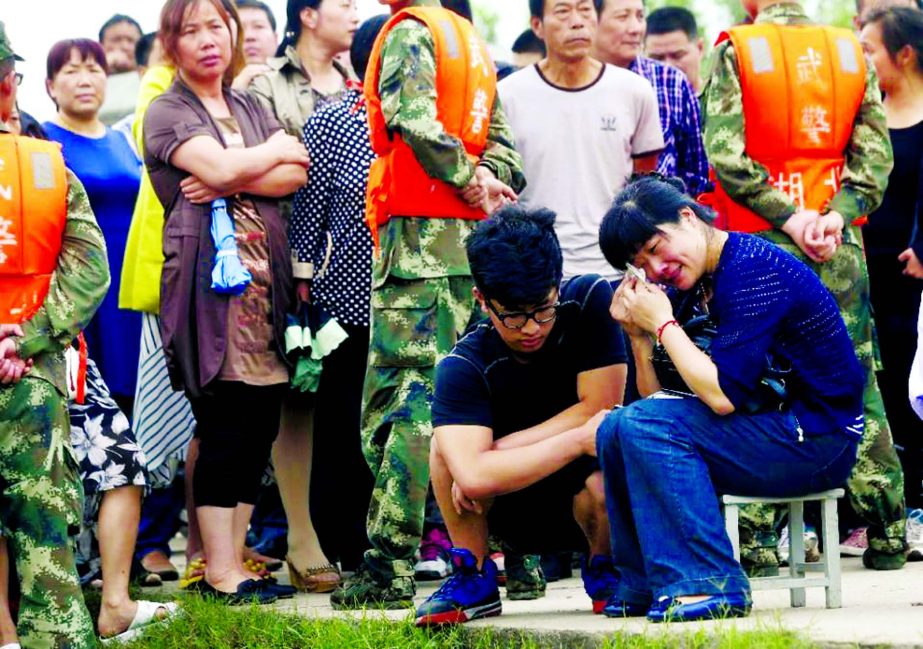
[
  {"x": 431, "y": 569},
  {"x": 915, "y": 535},
  {"x": 811, "y": 543}
]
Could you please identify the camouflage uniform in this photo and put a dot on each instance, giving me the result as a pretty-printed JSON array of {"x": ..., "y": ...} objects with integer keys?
[
  {"x": 421, "y": 301},
  {"x": 42, "y": 498},
  {"x": 876, "y": 485}
]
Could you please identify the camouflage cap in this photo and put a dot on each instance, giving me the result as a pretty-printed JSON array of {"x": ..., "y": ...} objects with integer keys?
[{"x": 6, "y": 50}]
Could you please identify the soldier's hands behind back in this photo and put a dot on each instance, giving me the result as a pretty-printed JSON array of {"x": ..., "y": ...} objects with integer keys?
[{"x": 12, "y": 368}]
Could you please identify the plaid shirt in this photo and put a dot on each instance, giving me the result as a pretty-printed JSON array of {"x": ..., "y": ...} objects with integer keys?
[{"x": 683, "y": 154}]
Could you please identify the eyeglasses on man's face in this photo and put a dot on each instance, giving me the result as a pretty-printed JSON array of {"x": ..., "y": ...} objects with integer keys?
[{"x": 519, "y": 319}]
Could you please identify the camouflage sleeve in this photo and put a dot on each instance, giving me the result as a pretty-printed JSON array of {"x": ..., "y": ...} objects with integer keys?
[
  {"x": 408, "y": 102},
  {"x": 501, "y": 156},
  {"x": 742, "y": 177},
  {"x": 78, "y": 284},
  {"x": 869, "y": 157}
]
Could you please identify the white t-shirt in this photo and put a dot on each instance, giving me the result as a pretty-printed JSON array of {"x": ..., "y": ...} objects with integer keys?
[{"x": 577, "y": 147}]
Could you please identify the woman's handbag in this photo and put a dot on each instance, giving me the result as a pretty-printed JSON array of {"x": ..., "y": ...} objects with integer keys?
[{"x": 691, "y": 311}]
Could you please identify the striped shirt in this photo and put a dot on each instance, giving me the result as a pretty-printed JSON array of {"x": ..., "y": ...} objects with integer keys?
[{"x": 683, "y": 154}]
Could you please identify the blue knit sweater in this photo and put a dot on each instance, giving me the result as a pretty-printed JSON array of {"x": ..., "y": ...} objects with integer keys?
[{"x": 766, "y": 300}]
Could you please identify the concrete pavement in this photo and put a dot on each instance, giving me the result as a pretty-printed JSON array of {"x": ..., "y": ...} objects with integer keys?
[{"x": 880, "y": 609}]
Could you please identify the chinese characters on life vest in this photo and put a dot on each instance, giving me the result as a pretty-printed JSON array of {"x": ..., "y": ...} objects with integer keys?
[
  {"x": 7, "y": 236},
  {"x": 792, "y": 184}
]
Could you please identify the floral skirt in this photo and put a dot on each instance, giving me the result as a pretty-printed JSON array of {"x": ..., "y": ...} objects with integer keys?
[{"x": 108, "y": 456}]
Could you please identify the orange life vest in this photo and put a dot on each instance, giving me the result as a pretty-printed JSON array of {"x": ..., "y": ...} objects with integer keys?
[
  {"x": 466, "y": 85},
  {"x": 802, "y": 88},
  {"x": 33, "y": 212}
]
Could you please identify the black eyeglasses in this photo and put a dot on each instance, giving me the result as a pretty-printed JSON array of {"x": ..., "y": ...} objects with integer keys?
[
  {"x": 519, "y": 319},
  {"x": 19, "y": 78}
]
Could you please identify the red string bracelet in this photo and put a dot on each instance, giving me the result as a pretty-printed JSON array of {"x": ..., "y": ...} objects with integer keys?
[{"x": 664, "y": 326}]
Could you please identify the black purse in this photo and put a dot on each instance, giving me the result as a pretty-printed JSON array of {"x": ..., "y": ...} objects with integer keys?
[{"x": 691, "y": 310}]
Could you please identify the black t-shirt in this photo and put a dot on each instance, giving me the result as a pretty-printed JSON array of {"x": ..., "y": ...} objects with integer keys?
[
  {"x": 892, "y": 228},
  {"x": 482, "y": 382}
]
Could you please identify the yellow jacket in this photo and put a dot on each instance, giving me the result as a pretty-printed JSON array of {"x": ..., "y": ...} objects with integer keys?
[{"x": 140, "y": 285}]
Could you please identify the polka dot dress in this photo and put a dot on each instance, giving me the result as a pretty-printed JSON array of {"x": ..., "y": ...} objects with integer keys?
[{"x": 328, "y": 225}]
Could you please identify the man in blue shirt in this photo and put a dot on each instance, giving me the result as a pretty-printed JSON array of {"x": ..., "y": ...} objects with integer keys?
[
  {"x": 619, "y": 39},
  {"x": 509, "y": 403}
]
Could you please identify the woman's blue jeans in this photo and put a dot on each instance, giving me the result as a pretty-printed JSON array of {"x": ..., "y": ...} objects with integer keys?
[{"x": 666, "y": 460}]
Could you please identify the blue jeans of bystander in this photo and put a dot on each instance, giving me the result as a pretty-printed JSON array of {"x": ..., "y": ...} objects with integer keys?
[{"x": 666, "y": 460}]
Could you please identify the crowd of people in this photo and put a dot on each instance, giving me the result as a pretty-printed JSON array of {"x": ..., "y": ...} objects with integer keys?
[{"x": 362, "y": 302}]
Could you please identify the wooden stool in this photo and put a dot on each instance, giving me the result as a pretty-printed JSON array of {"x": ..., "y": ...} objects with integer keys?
[{"x": 796, "y": 581}]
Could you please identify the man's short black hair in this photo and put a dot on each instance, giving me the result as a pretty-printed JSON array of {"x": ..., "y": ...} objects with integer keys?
[
  {"x": 361, "y": 49},
  {"x": 672, "y": 19},
  {"x": 262, "y": 6},
  {"x": 527, "y": 42},
  {"x": 537, "y": 7},
  {"x": 115, "y": 20},
  {"x": 143, "y": 49},
  {"x": 7, "y": 65},
  {"x": 461, "y": 7},
  {"x": 515, "y": 257},
  {"x": 31, "y": 127}
]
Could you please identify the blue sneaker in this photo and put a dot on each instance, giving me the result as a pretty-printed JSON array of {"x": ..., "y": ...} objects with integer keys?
[
  {"x": 467, "y": 595},
  {"x": 716, "y": 607},
  {"x": 600, "y": 580},
  {"x": 617, "y": 607}
]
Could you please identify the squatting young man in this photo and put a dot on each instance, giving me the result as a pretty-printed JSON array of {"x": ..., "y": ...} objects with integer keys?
[{"x": 510, "y": 404}]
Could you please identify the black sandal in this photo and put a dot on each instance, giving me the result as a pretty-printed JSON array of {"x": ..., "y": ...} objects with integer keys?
[
  {"x": 140, "y": 576},
  {"x": 250, "y": 591}
]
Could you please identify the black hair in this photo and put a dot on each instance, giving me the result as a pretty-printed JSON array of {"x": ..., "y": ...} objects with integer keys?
[
  {"x": 115, "y": 20},
  {"x": 31, "y": 127},
  {"x": 262, "y": 6},
  {"x": 672, "y": 19},
  {"x": 529, "y": 42},
  {"x": 515, "y": 257},
  {"x": 637, "y": 213},
  {"x": 504, "y": 70},
  {"x": 537, "y": 7},
  {"x": 860, "y": 5},
  {"x": 143, "y": 49},
  {"x": 363, "y": 41},
  {"x": 461, "y": 7},
  {"x": 293, "y": 20},
  {"x": 900, "y": 27}
]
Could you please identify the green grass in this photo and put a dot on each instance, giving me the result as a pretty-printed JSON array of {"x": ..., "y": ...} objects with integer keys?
[{"x": 206, "y": 625}]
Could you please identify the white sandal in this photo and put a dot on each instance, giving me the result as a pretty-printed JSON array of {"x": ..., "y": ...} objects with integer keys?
[{"x": 145, "y": 616}]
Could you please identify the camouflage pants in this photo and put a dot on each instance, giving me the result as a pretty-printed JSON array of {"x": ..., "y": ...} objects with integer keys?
[
  {"x": 414, "y": 324},
  {"x": 41, "y": 504},
  {"x": 876, "y": 487}
]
